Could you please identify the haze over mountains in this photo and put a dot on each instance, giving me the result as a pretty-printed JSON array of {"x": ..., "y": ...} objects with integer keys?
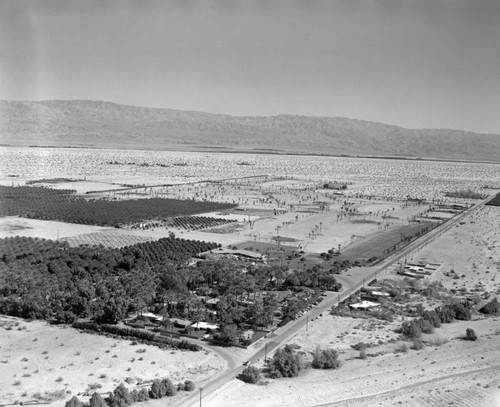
[{"x": 82, "y": 123}]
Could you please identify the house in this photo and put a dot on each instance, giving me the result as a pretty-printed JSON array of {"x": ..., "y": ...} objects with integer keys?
[
  {"x": 364, "y": 305},
  {"x": 246, "y": 335},
  {"x": 211, "y": 303},
  {"x": 238, "y": 254},
  {"x": 152, "y": 317},
  {"x": 181, "y": 323},
  {"x": 202, "y": 325}
]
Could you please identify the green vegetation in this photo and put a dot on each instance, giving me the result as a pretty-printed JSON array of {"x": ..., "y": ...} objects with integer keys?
[
  {"x": 122, "y": 397},
  {"x": 492, "y": 307},
  {"x": 53, "y": 281},
  {"x": 250, "y": 375},
  {"x": 467, "y": 194},
  {"x": 285, "y": 363},
  {"x": 429, "y": 320},
  {"x": 470, "y": 335},
  {"x": 325, "y": 359},
  {"x": 65, "y": 206}
]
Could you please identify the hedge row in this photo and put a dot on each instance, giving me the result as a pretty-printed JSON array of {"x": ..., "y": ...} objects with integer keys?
[
  {"x": 136, "y": 333},
  {"x": 433, "y": 319}
]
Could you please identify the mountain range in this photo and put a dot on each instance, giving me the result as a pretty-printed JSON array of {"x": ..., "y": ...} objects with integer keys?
[{"x": 83, "y": 123}]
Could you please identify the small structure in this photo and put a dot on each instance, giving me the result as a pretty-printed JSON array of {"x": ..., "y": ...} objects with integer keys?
[
  {"x": 420, "y": 269},
  {"x": 204, "y": 325},
  {"x": 211, "y": 303},
  {"x": 246, "y": 335},
  {"x": 364, "y": 305},
  {"x": 181, "y": 323},
  {"x": 243, "y": 255},
  {"x": 152, "y": 317}
]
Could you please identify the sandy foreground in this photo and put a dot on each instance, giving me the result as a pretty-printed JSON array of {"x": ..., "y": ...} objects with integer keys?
[
  {"x": 472, "y": 250},
  {"x": 456, "y": 372},
  {"x": 59, "y": 362}
]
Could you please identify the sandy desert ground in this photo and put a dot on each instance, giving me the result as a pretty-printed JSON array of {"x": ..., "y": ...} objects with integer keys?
[{"x": 58, "y": 362}]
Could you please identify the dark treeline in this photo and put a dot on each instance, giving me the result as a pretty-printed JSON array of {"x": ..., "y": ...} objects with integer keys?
[
  {"x": 65, "y": 206},
  {"x": 49, "y": 280}
]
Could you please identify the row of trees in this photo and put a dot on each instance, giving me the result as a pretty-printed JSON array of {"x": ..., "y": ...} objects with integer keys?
[
  {"x": 286, "y": 362},
  {"x": 429, "y": 320},
  {"x": 122, "y": 397},
  {"x": 315, "y": 277},
  {"x": 65, "y": 206}
]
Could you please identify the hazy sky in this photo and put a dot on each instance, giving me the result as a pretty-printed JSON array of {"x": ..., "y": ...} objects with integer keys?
[{"x": 414, "y": 63}]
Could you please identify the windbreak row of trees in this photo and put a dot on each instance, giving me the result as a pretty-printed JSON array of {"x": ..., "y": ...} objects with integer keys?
[
  {"x": 428, "y": 320},
  {"x": 65, "y": 206}
]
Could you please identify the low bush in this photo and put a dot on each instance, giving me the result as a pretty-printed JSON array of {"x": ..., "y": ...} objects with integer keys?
[
  {"x": 285, "y": 363},
  {"x": 360, "y": 346},
  {"x": 189, "y": 385},
  {"x": 250, "y": 375},
  {"x": 492, "y": 307},
  {"x": 325, "y": 359},
  {"x": 470, "y": 334}
]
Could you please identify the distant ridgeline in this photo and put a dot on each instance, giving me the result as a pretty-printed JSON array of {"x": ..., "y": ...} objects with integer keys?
[{"x": 63, "y": 205}]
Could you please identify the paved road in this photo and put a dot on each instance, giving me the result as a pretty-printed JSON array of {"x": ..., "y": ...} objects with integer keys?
[{"x": 352, "y": 282}]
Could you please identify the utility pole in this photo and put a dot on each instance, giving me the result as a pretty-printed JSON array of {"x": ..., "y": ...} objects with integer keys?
[
  {"x": 265, "y": 352},
  {"x": 200, "y": 395}
]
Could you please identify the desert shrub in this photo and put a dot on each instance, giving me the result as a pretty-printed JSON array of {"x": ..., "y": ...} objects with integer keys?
[
  {"x": 402, "y": 349},
  {"x": 418, "y": 344},
  {"x": 250, "y": 375},
  {"x": 325, "y": 359},
  {"x": 394, "y": 292},
  {"x": 363, "y": 355},
  {"x": 492, "y": 307},
  {"x": 411, "y": 330},
  {"x": 470, "y": 334},
  {"x": 97, "y": 401},
  {"x": 189, "y": 385},
  {"x": 157, "y": 390},
  {"x": 445, "y": 314},
  {"x": 143, "y": 395},
  {"x": 432, "y": 317},
  {"x": 73, "y": 402},
  {"x": 120, "y": 397},
  {"x": 360, "y": 346},
  {"x": 437, "y": 341},
  {"x": 285, "y": 363},
  {"x": 170, "y": 389},
  {"x": 162, "y": 388},
  {"x": 461, "y": 311},
  {"x": 134, "y": 394}
]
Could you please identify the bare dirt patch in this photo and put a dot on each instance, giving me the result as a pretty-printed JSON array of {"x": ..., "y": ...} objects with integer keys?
[{"x": 38, "y": 360}]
